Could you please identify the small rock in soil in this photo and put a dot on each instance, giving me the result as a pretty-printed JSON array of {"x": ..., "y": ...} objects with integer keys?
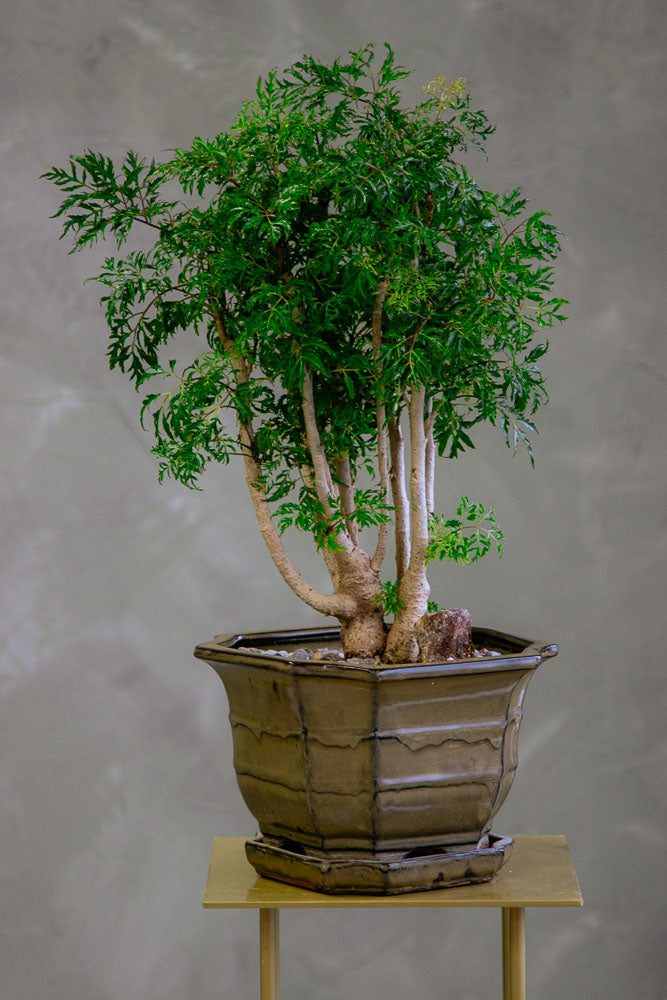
[
  {"x": 328, "y": 654},
  {"x": 444, "y": 634}
]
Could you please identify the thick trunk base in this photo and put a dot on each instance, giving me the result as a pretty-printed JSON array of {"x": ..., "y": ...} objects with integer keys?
[
  {"x": 402, "y": 647},
  {"x": 364, "y": 637}
]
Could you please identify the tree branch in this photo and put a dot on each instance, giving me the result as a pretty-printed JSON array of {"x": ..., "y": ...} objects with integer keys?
[
  {"x": 418, "y": 507},
  {"x": 381, "y": 419},
  {"x": 321, "y": 470},
  {"x": 399, "y": 496},
  {"x": 327, "y": 604},
  {"x": 430, "y": 457},
  {"x": 346, "y": 488},
  {"x": 413, "y": 591},
  {"x": 328, "y": 554}
]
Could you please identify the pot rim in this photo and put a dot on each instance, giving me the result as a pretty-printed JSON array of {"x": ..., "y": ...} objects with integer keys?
[{"x": 519, "y": 654}]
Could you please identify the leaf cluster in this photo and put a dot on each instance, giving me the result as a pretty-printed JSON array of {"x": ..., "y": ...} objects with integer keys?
[
  {"x": 285, "y": 226},
  {"x": 466, "y": 537},
  {"x": 308, "y": 514},
  {"x": 391, "y": 603}
]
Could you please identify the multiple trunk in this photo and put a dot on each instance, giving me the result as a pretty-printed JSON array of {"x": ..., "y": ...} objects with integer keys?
[
  {"x": 413, "y": 591},
  {"x": 355, "y": 575}
]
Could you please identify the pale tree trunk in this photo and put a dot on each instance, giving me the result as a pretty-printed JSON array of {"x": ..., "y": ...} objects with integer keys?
[
  {"x": 380, "y": 421},
  {"x": 430, "y": 460},
  {"x": 402, "y": 646},
  {"x": 329, "y": 560},
  {"x": 327, "y": 604},
  {"x": 346, "y": 488},
  {"x": 399, "y": 496},
  {"x": 356, "y": 579},
  {"x": 363, "y": 633}
]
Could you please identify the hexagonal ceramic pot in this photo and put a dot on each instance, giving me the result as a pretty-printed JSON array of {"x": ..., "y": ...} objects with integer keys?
[{"x": 372, "y": 765}]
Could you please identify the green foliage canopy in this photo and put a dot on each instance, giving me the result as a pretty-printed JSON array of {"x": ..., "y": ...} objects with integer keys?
[{"x": 273, "y": 250}]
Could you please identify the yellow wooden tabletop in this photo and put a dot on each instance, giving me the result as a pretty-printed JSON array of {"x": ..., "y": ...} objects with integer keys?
[{"x": 539, "y": 872}]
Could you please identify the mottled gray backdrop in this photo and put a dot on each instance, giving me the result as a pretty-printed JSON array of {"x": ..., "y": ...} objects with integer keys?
[{"x": 116, "y": 758}]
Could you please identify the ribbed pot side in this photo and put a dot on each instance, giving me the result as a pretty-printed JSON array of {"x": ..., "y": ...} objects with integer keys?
[{"x": 338, "y": 758}]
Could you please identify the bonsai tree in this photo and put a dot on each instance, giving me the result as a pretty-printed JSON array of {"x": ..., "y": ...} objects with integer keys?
[{"x": 347, "y": 289}]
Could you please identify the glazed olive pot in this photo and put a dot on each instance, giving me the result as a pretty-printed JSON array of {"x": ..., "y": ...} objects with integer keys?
[{"x": 372, "y": 764}]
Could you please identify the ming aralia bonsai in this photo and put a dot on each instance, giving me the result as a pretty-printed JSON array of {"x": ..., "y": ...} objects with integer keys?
[{"x": 353, "y": 286}]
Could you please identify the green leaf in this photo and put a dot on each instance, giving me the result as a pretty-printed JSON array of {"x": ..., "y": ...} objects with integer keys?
[
  {"x": 466, "y": 537},
  {"x": 388, "y": 598}
]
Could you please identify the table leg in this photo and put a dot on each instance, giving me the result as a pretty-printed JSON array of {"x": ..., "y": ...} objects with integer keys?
[
  {"x": 514, "y": 953},
  {"x": 269, "y": 954}
]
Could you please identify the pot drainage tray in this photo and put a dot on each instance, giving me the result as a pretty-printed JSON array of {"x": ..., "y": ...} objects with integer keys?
[{"x": 370, "y": 876}]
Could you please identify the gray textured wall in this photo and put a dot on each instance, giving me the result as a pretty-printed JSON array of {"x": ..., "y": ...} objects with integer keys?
[{"x": 116, "y": 760}]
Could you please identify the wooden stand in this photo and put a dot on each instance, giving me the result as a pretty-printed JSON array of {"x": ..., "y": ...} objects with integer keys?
[{"x": 539, "y": 873}]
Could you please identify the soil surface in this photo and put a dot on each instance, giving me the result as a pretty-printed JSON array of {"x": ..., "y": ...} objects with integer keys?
[{"x": 334, "y": 653}]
